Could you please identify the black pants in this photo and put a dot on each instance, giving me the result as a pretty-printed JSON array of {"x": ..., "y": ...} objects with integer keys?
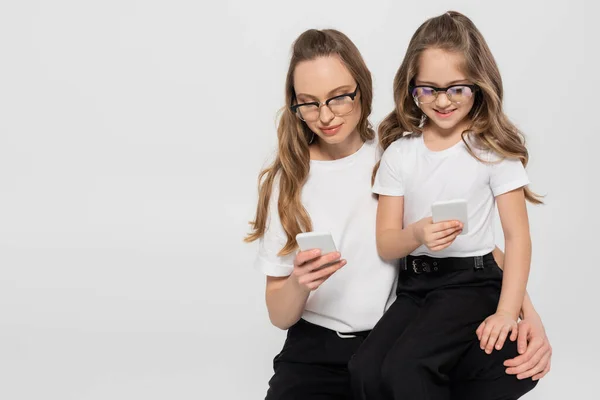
[
  {"x": 313, "y": 364},
  {"x": 425, "y": 346}
]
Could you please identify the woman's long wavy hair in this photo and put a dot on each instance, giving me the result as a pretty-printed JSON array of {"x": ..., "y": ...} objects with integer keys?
[
  {"x": 292, "y": 162},
  {"x": 491, "y": 128}
]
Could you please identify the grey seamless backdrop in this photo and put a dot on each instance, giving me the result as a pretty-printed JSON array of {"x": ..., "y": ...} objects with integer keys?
[{"x": 131, "y": 136}]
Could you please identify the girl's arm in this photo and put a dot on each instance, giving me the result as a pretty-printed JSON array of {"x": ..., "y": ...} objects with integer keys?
[
  {"x": 527, "y": 309},
  {"x": 535, "y": 351},
  {"x": 395, "y": 242},
  {"x": 515, "y": 224}
]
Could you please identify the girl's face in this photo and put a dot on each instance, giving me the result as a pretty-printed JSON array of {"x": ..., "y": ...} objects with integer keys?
[
  {"x": 449, "y": 107},
  {"x": 328, "y": 98}
]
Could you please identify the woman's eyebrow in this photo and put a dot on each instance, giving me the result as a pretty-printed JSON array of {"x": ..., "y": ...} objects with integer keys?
[{"x": 339, "y": 88}]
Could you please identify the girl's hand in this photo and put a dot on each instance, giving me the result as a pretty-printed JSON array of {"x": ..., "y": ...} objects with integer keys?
[
  {"x": 311, "y": 269},
  {"x": 493, "y": 331},
  {"x": 437, "y": 236}
]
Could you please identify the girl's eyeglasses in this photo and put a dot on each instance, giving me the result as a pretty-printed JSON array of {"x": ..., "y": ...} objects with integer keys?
[{"x": 456, "y": 93}]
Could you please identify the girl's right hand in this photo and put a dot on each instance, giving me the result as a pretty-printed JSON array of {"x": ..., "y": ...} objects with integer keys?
[
  {"x": 437, "y": 236},
  {"x": 308, "y": 271}
]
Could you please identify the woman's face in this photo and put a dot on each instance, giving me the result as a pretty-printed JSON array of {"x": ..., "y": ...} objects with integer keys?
[{"x": 322, "y": 79}]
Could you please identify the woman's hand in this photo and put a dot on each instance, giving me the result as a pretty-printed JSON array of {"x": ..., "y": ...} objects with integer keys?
[
  {"x": 534, "y": 349},
  {"x": 311, "y": 268}
]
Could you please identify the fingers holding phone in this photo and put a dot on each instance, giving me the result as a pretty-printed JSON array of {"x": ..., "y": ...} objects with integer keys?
[
  {"x": 437, "y": 236},
  {"x": 317, "y": 260},
  {"x": 449, "y": 220}
]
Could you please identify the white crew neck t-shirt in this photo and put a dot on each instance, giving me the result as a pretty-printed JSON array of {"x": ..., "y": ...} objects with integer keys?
[
  {"x": 337, "y": 196},
  {"x": 408, "y": 168}
]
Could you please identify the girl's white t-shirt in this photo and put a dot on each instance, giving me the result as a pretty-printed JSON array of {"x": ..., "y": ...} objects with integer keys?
[
  {"x": 337, "y": 196},
  {"x": 408, "y": 168}
]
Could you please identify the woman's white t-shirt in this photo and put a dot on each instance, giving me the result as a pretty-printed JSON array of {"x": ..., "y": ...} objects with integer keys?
[
  {"x": 408, "y": 168},
  {"x": 337, "y": 196}
]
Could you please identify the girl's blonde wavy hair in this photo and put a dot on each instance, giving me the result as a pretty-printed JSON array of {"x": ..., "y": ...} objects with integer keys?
[
  {"x": 491, "y": 128},
  {"x": 292, "y": 162}
]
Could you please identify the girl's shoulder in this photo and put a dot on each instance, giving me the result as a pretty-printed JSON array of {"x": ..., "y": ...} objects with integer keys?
[
  {"x": 406, "y": 143},
  {"x": 402, "y": 145},
  {"x": 479, "y": 149},
  {"x": 483, "y": 151}
]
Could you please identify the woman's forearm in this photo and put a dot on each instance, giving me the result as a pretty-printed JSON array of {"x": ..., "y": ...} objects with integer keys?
[{"x": 286, "y": 300}]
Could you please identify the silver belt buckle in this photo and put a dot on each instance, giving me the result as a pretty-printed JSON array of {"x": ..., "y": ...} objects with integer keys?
[
  {"x": 424, "y": 267},
  {"x": 415, "y": 266}
]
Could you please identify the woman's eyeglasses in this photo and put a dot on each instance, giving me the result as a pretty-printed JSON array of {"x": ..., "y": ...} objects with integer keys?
[{"x": 340, "y": 105}]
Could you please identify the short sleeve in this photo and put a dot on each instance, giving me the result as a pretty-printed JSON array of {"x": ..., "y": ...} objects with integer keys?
[
  {"x": 506, "y": 175},
  {"x": 388, "y": 180},
  {"x": 267, "y": 260}
]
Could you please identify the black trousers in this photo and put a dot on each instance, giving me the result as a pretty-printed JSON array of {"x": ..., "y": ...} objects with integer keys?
[
  {"x": 313, "y": 364},
  {"x": 425, "y": 346}
]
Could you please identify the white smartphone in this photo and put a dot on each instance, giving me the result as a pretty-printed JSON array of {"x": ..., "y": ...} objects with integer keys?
[
  {"x": 451, "y": 210},
  {"x": 316, "y": 240}
]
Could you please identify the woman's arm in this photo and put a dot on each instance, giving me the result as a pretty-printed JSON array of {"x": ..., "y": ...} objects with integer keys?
[
  {"x": 285, "y": 301},
  {"x": 286, "y": 296}
]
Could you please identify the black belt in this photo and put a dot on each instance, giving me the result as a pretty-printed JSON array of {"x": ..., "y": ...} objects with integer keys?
[{"x": 432, "y": 265}]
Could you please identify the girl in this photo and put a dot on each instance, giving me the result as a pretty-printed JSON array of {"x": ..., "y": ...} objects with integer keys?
[
  {"x": 320, "y": 180},
  {"x": 448, "y": 95}
]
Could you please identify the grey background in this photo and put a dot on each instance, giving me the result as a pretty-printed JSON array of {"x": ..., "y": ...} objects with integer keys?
[{"x": 131, "y": 136}]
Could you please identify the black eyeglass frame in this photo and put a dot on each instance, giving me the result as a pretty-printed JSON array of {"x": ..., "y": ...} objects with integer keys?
[
  {"x": 294, "y": 108},
  {"x": 437, "y": 91}
]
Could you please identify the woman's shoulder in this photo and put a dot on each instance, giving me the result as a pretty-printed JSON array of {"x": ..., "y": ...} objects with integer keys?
[{"x": 372, "y": 149}]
